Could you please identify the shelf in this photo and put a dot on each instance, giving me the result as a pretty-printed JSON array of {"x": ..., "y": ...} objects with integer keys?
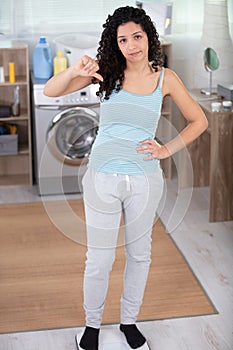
[
  {"x": 21, "y": 80},
  {"x": 14, "y": 180},
  {"x": 17, "y": 44},
  {"x": 14, "y": 118},
  {"x": 16, "y": 169},
  {"x": 23, "y": 149}
]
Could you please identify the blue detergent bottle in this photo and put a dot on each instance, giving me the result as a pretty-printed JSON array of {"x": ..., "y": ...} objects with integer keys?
[{"x": 42, "y": 60}]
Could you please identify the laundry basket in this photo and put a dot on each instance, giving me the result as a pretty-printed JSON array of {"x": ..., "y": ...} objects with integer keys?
[{"x": 75, "y": 45}]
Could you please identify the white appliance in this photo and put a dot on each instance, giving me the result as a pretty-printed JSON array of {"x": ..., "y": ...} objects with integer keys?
[
  {"x": 75, "y": 45},
  {"x": 111, "y": 338},
  {"x": 64, "y": 129}
]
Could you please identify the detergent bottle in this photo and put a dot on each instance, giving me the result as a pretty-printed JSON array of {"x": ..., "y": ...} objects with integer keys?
[
  {"x": 59, "y": 63},
  {"x": 42, "y": 60}
]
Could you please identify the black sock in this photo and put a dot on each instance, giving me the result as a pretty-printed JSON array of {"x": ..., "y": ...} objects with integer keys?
[
  {"x": 90, "y": 339},
  {"x": 134, "y": 337}
]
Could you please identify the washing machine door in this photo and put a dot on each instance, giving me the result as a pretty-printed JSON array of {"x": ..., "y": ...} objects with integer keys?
[{"x": 72, "y": 133}]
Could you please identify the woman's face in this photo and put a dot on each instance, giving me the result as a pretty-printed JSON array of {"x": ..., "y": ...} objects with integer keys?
[{"x": 133, "y": 42}]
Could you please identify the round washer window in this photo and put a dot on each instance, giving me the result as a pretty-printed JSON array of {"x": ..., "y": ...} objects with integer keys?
[{"x": 72, "y": 133}]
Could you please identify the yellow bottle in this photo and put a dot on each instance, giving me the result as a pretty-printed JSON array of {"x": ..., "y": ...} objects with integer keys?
[
  {"x": 11, "y": 72},
  {"x": 59, "y": 63}
]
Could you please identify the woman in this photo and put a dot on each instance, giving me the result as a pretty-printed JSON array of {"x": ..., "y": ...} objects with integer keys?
[{"x": 124, "y": 174}]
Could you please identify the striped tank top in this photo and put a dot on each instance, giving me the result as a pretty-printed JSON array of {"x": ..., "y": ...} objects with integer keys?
[{"x": 125, "y": 120}]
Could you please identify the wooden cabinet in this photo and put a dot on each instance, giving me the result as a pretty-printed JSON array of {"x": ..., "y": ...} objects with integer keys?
[
  {"x": 16, "y": 169},
  {"x": 212, "y": 160},
  {"x": 164, "y": 132}
]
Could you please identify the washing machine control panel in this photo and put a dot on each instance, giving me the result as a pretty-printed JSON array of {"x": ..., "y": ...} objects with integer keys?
[
  {"x": 80, "y": 96},
  {"x": 85, "y": 96}
]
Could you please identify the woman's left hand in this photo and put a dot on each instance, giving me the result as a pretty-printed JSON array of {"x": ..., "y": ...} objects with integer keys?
[{"x": 154, "y": 148}]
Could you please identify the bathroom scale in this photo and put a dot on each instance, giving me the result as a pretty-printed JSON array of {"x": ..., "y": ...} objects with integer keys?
[{"x": 110, "y": 339}]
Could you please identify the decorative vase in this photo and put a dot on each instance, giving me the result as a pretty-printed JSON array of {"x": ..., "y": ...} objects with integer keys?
[{"x": 215, "y": 35}]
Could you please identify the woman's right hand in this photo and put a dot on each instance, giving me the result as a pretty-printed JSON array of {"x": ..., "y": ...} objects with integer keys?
[
  {"x": 87, "y": 67},
  {"x": 75, "y": 77}
]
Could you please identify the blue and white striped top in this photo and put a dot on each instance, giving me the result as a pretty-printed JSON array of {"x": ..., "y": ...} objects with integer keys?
[{"x": 125, "y": 120}]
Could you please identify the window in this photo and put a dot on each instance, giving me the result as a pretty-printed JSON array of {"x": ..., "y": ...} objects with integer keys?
[{"x": 19, "y": 18}]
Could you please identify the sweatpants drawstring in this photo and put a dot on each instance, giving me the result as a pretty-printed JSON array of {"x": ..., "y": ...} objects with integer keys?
[{"x": 127, "y": 181}]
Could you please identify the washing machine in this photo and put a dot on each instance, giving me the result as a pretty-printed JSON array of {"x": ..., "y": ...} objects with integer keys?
[{"x": 64, "y": 129}]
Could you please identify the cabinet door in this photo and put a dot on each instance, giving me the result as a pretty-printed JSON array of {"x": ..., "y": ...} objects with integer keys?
[{"x": 221, "y": 169}]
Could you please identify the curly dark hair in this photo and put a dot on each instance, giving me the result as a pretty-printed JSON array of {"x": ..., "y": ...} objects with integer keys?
[{"x": 112, "y": 63}]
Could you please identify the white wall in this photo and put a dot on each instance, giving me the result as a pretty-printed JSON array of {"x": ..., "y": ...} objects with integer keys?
[
  {"x": 186, "y": 27},
  {"x": 186, "y": 37}
]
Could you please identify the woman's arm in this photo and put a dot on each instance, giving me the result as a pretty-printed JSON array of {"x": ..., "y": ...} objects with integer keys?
[
  {"x": 197, "y": 122},
  {"x": 74, "y": 78}
]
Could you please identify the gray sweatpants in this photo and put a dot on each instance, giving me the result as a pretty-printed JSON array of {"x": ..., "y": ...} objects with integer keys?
[{"x": 106, "y": 198}]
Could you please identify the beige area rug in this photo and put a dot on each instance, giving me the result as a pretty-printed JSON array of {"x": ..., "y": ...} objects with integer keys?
[{"x": 41, "y": 272}]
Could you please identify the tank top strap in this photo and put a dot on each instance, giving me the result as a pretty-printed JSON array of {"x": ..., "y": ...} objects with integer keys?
[{"x": 161, "y": 78}]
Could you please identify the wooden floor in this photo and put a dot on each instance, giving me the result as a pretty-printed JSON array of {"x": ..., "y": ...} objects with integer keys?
[{"x": 208, "y": 248}]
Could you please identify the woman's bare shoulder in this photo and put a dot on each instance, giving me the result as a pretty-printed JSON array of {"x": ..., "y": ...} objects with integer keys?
[
  {"x": 170, "y": 75},
  {"x": 172, "y": 83}
]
